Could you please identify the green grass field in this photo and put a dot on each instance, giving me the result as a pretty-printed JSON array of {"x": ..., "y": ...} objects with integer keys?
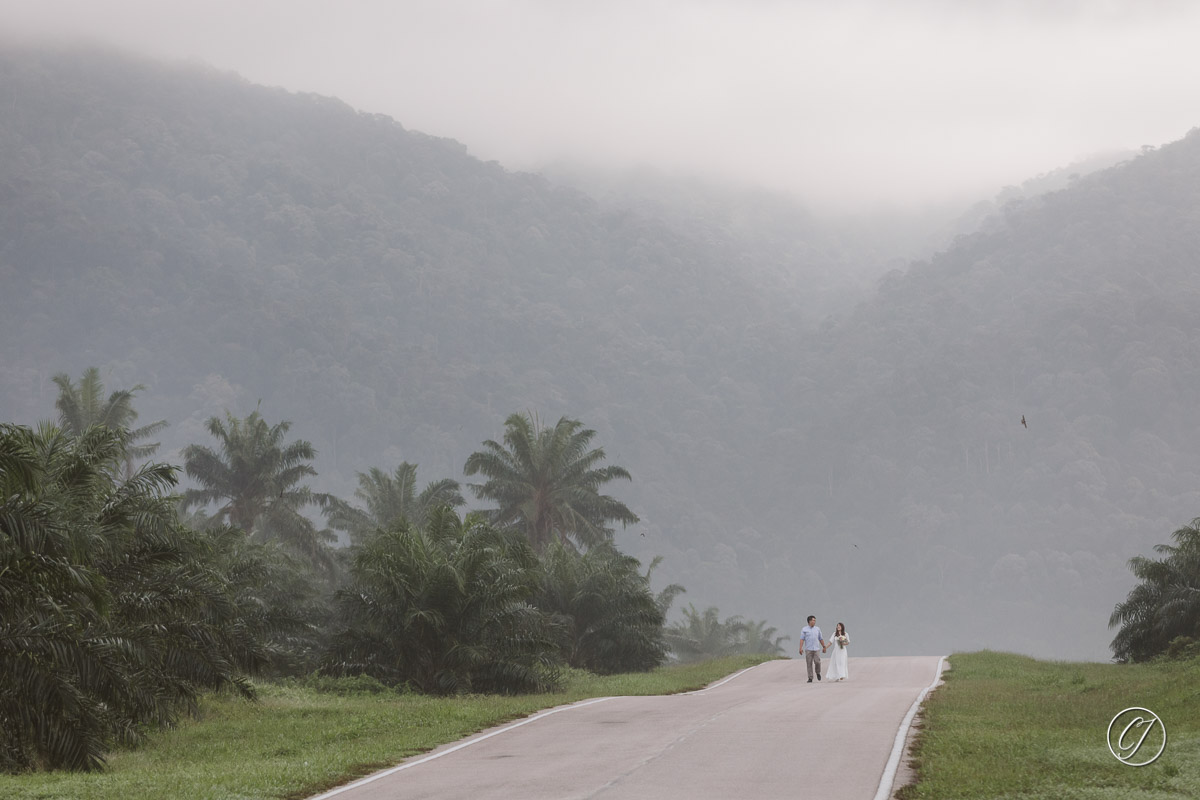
[
  {"x": 1008, "y": 726},
  {"x": 296, "y": 742}
]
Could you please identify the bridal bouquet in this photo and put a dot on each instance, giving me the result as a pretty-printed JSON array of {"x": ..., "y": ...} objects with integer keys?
[{"x": 842, "y": 640}]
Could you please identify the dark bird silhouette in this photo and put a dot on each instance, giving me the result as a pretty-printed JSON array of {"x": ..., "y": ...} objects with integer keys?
[
  {"x": 643, "y": 536},
  {"x": 1023, "y": 422}
]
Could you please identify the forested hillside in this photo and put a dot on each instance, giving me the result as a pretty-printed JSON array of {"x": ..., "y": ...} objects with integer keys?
[
  {"x": 1074, "y": 314},
  {"x": 397, "y": 299}
]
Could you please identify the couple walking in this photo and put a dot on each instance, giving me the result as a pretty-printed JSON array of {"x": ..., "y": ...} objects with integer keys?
[{"x": 839, "y": 663}]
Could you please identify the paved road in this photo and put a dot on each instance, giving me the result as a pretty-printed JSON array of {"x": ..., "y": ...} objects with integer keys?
[{"x": 764, "y": 734}]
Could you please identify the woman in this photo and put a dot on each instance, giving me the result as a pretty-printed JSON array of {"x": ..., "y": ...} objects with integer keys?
[{"x": 839, "y": 662}]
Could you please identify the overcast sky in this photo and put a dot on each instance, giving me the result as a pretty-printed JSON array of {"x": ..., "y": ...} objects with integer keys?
[{"x": 847, "y": 103}]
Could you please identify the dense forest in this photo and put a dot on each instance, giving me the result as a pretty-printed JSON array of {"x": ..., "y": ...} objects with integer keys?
[{"x": 804, "y": 434}]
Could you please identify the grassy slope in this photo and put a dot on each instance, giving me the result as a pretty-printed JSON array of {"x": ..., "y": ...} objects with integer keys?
[
  {"x": 1008, "y": 726},
  {"x": 296, "y": 742}
]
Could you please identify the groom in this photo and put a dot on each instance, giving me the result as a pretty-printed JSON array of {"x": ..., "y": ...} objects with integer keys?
[{"x": 810, "y": 640}]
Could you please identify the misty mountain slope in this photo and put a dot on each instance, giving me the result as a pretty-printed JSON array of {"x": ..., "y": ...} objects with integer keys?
[
  {"x": 831, "y": 261},
  {"x": 392, "y": 296},
  {"x": 396, "y": 299},
  {"x": 1077, "y": 310},
  {"x": 1074, "y": 312},
  {"x": 981, "y": 215},
  {"x": 827, "y": 268},
  {"x": 294, "y": 228}
]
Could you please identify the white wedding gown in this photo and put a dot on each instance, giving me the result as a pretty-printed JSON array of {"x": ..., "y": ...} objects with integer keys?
[{"x": 839, "y": 664}]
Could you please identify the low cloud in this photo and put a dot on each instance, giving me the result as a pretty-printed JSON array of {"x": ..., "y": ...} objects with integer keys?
[{"x": 844, "y": 104}]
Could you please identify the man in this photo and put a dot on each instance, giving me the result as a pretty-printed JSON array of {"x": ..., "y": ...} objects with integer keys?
[{"x": 810, "y": 640}]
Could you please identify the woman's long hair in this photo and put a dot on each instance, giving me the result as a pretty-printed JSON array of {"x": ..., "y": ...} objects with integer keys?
[{"x": 840, "y": 630}]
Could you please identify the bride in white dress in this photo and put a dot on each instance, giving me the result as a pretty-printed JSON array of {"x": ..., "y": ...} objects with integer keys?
[{"x": 839, "y": 662}]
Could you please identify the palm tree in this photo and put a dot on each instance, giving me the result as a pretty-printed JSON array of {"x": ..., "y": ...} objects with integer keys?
[
  {"x": 392, "y": 499},
  {"x": 445, "y": 609},
  {"x": 282, "y": 602},
  {"x": 760, "y": 639},
  {"x": 80, "y": 407},
  {"x": 111, "y": 620},
  {"x": 545, "y": 480},
  {"x": 613, "y": 622},
  {"x": 1166, "y": 604},
  {"x": 256, "y": 478},
  {"x": 703, "y": 635}
]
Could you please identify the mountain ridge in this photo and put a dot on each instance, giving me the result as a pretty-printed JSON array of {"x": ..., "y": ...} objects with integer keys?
[{"x": 396, "y": 299}]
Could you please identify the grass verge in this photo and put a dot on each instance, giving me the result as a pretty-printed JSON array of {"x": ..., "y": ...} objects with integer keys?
[
  {"x": 296, "y": 742},
  {"x": 1009, "y": 726}
]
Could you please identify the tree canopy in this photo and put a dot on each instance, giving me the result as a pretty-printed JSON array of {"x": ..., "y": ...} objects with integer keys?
[
  {"x": 255, "y": 477},
  {"x": 444, "y": 609},
  {"x": 701, "y": 635},
  {"x": 547, "y": 482},
  {"x": 610, "y": 619},
  {"x": 111, "y": 619},
  {"x": 1165, "y": 606},
  {"x": 82, "y": 406},
  {"x": 392, "y": 499}
]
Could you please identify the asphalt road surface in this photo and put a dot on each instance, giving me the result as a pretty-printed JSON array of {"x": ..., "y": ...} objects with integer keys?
[{"x": 766, "y": 733}]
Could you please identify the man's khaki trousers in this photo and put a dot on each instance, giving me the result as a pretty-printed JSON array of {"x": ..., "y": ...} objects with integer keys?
[{"x": 813, "y": 657}]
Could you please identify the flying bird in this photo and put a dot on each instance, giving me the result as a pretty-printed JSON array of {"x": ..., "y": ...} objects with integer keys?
[{"x": 1023, "y": 422}]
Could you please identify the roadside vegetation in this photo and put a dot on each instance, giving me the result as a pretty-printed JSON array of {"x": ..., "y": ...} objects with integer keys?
[
  {"x": 1161, "y": 615},
  {"x": 1009, "y": 726},
  {"x": 304, "y": 736},
  {"x": 126, "y": 601}
]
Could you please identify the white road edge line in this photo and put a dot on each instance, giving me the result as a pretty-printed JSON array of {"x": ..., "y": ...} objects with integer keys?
[
  {"x": 459, "y": 746},
  {"x": 723, "y": 681},
  {"x": 376, "y": 776},
  {"x": 893, "y": 762}
]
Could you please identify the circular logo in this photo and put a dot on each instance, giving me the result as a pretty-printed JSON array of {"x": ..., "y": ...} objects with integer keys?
[{"x": 1136, "y": 737}]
